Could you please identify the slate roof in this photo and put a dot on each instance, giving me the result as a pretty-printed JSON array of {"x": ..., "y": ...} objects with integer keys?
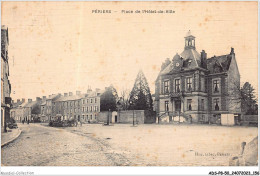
[
  {"x": 53, "y": 96},
  {"x": 43, "y": 103},
  {"x": 219, "y": 64},
  {"x": 216, "y": 64},
  {"x": 31, "y": 104},
  {"x": 167, "y": 70},
  {"x": 77, "y": 97},
  {"x": 69, "y": 98},
  {"x": 193, "y": 55},
  {"x": 15, "y": 105}
]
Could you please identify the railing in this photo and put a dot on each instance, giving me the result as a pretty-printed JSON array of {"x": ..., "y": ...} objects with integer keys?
[
  {"x": 159, "y": 117},
  {"x": 176, "y": 94}
]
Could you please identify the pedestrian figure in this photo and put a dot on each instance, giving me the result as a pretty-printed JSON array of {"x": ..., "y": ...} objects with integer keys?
[
  {"x": 80, "y": 122},
  {"x": 23, "y": 121},
  {"x": 28, "y": 121}
]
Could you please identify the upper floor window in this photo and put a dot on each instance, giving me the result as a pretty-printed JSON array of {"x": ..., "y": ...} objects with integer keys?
[
  {"x": 166, "y": 106},
  {"x": 87, "y": 100},
  {"x": 189, "y": 84},
  {"x": 166, "y": 86},
  {"x": 95, "y": 100},
  {"x": 177, "y": 85},
  {"x": 189, "y": 107},
  {"x": 216, "y": 104},
  {"x": 83, "y": 101},
  {"x": 216, "y": 87},
  {"x": 203, "y": 84},
  {"x": 91, "y": 100}
]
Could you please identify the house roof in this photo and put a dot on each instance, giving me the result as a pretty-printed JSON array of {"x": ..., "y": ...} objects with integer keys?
[
  {"x": 219, "y": 64},
  {"x": 43, "y": 103},
  {"x": 192, "y": 55},
  {"x": 77, "y": 97},
  {"x": 30, "y": 104},
  {"x": 216, "y": 64},
  {"x": 53, "y": 96},
  {"x": 15, "y": 105},
  {"x": 69, "y": 98}
]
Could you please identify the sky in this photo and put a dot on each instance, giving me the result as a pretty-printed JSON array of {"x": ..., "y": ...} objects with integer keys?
[{"x": 58, "y": 47}]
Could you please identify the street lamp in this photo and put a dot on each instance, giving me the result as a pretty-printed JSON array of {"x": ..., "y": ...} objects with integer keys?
[{"x": 131, "y": 103}]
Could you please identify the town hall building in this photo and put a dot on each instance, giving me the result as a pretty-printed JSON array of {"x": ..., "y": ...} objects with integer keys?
[{"x": 197, "y": 88}]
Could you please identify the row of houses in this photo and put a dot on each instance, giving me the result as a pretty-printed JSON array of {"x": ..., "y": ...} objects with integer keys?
[{"x": 80, "y": 106}]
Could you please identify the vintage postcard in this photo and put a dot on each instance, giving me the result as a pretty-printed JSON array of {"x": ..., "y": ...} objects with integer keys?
[{"x": 129, "y": 84}]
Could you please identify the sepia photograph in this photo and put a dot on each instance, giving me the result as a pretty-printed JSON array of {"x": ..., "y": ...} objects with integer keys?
[{"x": 129, "y": 84}]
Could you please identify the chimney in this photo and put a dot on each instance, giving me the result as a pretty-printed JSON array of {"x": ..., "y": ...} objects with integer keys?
[
  {"x": 12, "y": 101},
  {"x": 18, "y": 100},
  {"x": 23, "y": 100},
  {"x": 43, "y": 98},
  {"x": 232, "y": 51},
  {"x": 89, "y": 89},
  {"x": 70, "y": 93},
  {"x": 38, "y": 99},
  {"x": 65, "y": 94},
  {"x": 78, "y": 92},
  {"x": 203, "y": 59},
  {"x": 29, "y": 100}
]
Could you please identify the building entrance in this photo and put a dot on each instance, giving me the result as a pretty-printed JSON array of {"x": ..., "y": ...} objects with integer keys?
[{"x": 178, "y": 105}]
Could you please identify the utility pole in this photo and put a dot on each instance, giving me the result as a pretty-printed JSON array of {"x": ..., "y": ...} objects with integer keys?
[
  {"x": 133, "y": 117},
  {"x": 108, "y": 117}
]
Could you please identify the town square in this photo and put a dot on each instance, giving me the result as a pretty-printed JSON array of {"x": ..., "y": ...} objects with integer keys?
[{"x": 158, "y": 84}]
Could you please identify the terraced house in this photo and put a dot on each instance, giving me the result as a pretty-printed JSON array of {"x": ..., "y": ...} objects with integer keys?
[
  {"x": 198, "y": 88},
  {"x": 84, "y": 107}
]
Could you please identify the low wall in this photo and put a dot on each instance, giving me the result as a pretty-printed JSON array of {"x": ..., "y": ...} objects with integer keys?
[
  {"x": 140, "y": 116},
  {"x": 127, "y": 116},
  {"x": 102, "y": 116},
  {"x": 249, "y": 119}
]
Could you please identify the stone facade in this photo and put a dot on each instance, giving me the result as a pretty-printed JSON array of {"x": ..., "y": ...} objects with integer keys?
[
  {"x": 196, "y": 87},
  {"x": 5, "y": 83},
  {"x": 84, "y": 107}
]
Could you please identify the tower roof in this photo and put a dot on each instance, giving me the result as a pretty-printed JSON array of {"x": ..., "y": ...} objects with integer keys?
[{"x": 189, "y": 34}]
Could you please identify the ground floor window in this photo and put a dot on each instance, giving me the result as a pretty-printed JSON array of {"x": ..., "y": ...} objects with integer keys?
[
  {"x": 166, "y": 106},
  {"x": 216, "y": 104},
  {"x": 202, "y": 105},
  {"x": 189, "y": 107}
]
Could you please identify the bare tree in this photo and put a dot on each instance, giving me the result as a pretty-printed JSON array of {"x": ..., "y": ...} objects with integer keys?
[{"x": 124, "y": 98}]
